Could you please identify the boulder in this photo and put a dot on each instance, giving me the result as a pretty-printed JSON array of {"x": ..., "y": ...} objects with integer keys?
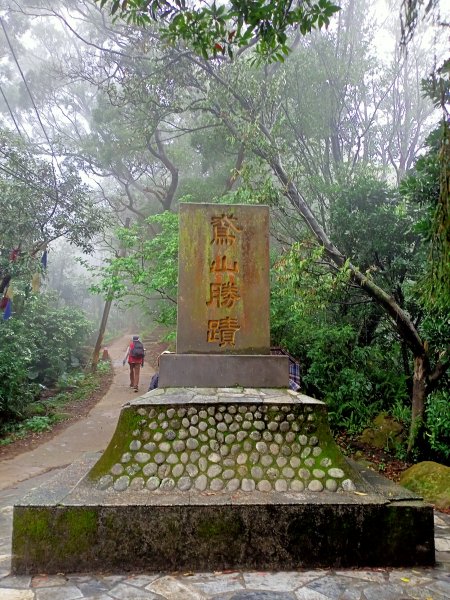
[
  {"x": 385, "y": 433},
  {"x": 431, "y": 480}
]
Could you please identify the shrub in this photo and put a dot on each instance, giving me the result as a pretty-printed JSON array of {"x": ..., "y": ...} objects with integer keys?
[
  {"x": 438, "y": 423},
  {"x": 37, "y": 347}
]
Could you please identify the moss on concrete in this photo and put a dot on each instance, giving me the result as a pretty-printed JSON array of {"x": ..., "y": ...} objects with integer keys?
[
  {"x": 221, "y": 527},
  {"x": 46, "y": 535},
  {"x": 129, "y": 421},
  {"x": 431, "y": 480}
]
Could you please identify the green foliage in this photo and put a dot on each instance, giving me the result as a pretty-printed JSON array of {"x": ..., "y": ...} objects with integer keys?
[
  {"x": 40, "y": 203},
  {"x": 365, "y": 206},
  {"x": 355, "y": 381},
  {"x": 43, "y": 414},
  {"x": 351, "y": 379},
  {"x": 148, "y": 273},
  {"x": 15, "y": 359},
  {"x": 214, "y": 29},
  {"x": 314, "y": 316},
  {"x": 438, "y": 423},
  {"x": 37, "y": 347},
  {"x": 11, "y": 432},
  {"x": 427, "y": 189}
]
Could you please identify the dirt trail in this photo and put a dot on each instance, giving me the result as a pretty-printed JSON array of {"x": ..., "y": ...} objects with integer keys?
[{"x": 89, "y": 434}]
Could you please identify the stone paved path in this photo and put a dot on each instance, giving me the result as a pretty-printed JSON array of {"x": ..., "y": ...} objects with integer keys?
[{"x": 376, "y": 584}]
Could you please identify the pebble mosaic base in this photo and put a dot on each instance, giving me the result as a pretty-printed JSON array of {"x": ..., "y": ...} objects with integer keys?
[{"x": 226, "y": 447}]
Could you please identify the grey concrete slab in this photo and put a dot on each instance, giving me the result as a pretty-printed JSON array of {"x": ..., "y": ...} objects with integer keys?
[{"x": 209, "y": 370}]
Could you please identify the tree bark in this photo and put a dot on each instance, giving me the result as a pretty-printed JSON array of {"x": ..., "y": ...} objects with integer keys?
[
  {"x": 419, "y": 394},
  {"x": 101, "y": 334}
]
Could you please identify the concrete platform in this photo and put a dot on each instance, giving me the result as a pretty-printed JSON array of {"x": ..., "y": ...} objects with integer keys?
[
  {"x": 68, "y": 528},
  {"x": 261, "y": 484}
]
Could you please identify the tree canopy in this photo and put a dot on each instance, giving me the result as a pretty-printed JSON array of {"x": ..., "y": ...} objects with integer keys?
[
  {"x": 217, "y": 29},
  {"x": 324, "y": 137}
]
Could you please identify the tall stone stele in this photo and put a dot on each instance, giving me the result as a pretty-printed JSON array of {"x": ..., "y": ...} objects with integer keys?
[{"x": 223, "y": 332}]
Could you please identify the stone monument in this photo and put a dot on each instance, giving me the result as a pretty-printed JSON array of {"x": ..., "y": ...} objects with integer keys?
[
  {"x": 223, "y": 336},
  {"x": 222, "y": 466}
]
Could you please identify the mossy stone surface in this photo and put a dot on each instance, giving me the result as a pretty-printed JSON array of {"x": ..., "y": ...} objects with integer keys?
[
  {"x": 385, "y": 432},
  {"x": 204, "y": 537},
  {"x": 268, "y": 446},
  {"x": 431, "y": 480}
]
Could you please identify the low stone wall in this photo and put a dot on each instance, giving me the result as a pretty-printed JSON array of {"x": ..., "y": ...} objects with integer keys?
[{"x": 220, "y": 439}]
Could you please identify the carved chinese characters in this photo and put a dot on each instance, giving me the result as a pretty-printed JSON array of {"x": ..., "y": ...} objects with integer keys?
[
  {"x": 223, "y": 297},
  {"x": 224, "y": 289}
]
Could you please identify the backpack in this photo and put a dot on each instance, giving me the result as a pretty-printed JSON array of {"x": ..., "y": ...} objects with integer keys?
[{"x": 138, "y": 350}]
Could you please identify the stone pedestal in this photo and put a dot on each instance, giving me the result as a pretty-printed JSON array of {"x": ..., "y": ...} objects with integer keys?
[
  {"x": 212, "y": 370},
  {"x": 209, "y": 479}
]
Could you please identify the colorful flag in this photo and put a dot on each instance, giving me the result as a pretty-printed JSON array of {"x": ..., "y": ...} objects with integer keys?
[{"x": 8, "y": 310}]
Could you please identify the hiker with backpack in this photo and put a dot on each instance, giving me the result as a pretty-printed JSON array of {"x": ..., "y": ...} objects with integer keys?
[{"x": 135, "y": 355}]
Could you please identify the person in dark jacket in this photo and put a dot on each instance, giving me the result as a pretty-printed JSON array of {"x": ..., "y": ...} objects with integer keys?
[{"x": 154, "y": 382}]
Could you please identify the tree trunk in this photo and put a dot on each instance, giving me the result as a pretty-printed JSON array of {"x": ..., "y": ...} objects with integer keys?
[
  {"x": 101, "y": 334},
  {"x": 419, "y": 394},
  {"x": 101, "y": 331}
]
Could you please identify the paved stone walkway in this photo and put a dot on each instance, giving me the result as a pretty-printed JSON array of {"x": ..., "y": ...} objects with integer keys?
[{"x": 375, "y": 584}]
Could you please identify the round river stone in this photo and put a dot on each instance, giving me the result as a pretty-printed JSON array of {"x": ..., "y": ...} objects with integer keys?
[
  {"x": 201, "y": 482},
  {"x": 216, "y": 485},
  {"x": 152, "y": 483},
  {"x": 336, "y": 473},
  {"x": 233, "y": 485},
  {"x": 137, "y": 483},
  {"x": 104, "y": 482},
  {"x": 248, "y": 485},
  {"x": 191, "y": 470},
  {"x": 331, "y": 485},
  {"x": 315, "y": 486},
  {"x": 159, "y": 458},
  {"x": 214, "y": 470},
  {"x": 142, "y": 457},
  {"x": 191, "y": 444},
  {"x": 184, "y": 484},
  {"x": 264, "y": 486},
  {"x": 117, "y": 469},
  {"x": 178, "y": 470},
  {"x": 122, "y": 483},
  {"x": 167, "y": 484},
  {"x": 281, "y": 485},
  {"x": 318, "y": 473},
  {"x": 150, "y": 469},
  {"x": 178, "y": 446},
  {"x": 297, "y": 486}
]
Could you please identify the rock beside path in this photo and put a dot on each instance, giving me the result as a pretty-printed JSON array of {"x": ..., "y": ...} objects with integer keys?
[{"x": 431, "y": 480}]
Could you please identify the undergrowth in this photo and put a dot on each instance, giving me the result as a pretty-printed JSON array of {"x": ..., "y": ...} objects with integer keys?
[{"x": 51, "y": 407}]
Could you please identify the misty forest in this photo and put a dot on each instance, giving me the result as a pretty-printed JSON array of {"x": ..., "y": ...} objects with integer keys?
[{"x": 114, "y": 112}]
